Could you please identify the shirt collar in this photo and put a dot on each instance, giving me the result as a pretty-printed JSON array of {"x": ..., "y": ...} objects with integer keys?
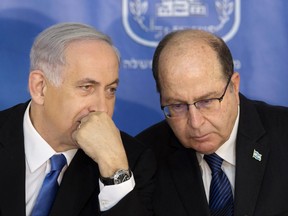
[
  {"x": 37, "y": 150},
  {"x": 227, "y": 151}
]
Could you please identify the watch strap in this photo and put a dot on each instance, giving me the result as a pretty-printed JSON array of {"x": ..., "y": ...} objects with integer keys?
[{"x": 118, "y": 177}]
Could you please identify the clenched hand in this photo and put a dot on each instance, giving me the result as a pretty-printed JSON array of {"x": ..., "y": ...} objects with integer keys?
[{"x": 100, "y": 139}]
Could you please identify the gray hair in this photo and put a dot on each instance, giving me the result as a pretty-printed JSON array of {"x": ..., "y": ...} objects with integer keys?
[{"x": 47, "y": 52}]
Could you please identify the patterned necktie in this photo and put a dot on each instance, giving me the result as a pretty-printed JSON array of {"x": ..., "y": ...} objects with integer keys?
[
  {"x": 49, "y": 187},
  {"x": 221, "y": 197}
]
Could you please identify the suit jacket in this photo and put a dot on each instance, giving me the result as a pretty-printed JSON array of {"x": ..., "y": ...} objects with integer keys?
[
  {"x": 79, "y": 189},
  {"x": 261, "y": 186}
]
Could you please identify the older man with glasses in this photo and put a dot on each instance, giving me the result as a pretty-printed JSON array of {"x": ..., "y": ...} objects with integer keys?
[{"x": 218, "y": 152}]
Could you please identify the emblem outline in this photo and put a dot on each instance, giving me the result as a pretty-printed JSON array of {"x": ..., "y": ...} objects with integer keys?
[{"x": 153, "y": 43}]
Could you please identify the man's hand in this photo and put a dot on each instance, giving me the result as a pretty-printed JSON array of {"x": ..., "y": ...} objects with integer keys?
[{"x": 100, "y": 139}]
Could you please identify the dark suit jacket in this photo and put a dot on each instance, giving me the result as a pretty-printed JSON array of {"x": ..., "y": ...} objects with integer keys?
[
  {"x": 78, "y": 193},
  {"x": 261, "y": 187}
]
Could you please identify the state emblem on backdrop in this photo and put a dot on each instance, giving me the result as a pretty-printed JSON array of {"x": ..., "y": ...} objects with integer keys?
[{"x": 147, "y": 21}]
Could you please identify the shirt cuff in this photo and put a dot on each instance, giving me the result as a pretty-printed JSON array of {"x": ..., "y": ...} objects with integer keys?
[{"x": 110, "y": 195}]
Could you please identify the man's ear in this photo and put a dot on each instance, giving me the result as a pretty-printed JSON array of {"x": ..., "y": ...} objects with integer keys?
[
  {"x": 37, "y": 86},
  {"x": 236, "y": 85},
  {"x": 236, "y": 81}
]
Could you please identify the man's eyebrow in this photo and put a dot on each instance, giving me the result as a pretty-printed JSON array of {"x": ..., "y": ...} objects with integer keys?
[
  {"x": 114, "y": 82},
  {"x": 94, "y": 82},
  {"x": 87, "y": 80},
  {"x": 207, "y": 95}
]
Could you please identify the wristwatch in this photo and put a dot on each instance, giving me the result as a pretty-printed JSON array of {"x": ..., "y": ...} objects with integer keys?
[{"x": 119, "y": 176}]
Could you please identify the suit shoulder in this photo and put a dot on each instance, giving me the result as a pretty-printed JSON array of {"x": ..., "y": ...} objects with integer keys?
[
  {"x": 268, "y": 113},
  {"x": 273, "y": 119},
  {"x": 278, "y": 115},
  {"x": 132, "y": 145},
  {"x": 5, "y": 114},
  {"x": 158, "y": 131},
  {"x": 128, "y": 140},
  {"x": 135, "y": 149}
]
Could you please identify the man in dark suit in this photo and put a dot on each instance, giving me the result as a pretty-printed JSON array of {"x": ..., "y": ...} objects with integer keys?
[
  {"x": 72, "y": 82},
  {"x": 207, "y": 117}
]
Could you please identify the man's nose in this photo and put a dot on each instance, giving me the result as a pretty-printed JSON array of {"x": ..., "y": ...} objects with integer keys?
[
  {"x": 195, "y": 117},
  {"x": 99, "y": 103}
]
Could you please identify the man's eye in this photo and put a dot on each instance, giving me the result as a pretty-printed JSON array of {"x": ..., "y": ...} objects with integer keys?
[
  {"x": 112, "y": 91},
  {"x": 178, "y": 107},
  {"x": 204, "y": 103},
  {"x": 86, "y": 87}
]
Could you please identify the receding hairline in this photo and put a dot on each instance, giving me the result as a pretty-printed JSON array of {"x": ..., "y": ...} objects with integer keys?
[{"x": 191, "y": 36}]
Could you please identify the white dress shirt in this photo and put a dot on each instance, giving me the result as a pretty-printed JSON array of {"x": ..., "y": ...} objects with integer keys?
[
  {"x": 37, "y": 155},
  {"x": 228, "y": 152}
]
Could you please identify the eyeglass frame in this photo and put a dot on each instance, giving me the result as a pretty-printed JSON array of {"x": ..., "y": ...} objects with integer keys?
[{"x": 195, "y": 103}]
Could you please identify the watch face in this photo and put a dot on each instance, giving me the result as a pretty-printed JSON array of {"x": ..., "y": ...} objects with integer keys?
[{"x": 121, "y": 176}]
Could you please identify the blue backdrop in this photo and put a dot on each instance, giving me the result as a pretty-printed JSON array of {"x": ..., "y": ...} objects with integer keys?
[{"x": 256, "y": 31}]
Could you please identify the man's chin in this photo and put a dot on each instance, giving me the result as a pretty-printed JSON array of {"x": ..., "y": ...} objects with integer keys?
[
  {"x": 202, "y": 147},
  {"x": 206, "y": 149}
]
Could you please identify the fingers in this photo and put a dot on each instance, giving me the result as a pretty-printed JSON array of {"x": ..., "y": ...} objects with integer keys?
[{"x": 100, "y": 139}]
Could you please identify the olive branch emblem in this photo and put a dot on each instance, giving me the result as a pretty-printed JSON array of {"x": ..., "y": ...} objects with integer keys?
[
  {"x": 224, "y": 9},
  {"x": 139, "y": 8}
]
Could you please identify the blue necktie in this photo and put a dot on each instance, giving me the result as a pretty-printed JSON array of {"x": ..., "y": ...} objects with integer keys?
[
  {"x": 221, "y": 197},
  {"x": 49, "y": 187}
]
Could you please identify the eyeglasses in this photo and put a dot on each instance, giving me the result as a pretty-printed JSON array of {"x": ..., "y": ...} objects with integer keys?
[{"x": 206, "y": 106}]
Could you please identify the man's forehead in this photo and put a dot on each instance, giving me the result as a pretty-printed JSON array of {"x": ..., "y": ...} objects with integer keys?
[
  {"x": 187, "y": 57},
  {"x": 183, "y": 45}
]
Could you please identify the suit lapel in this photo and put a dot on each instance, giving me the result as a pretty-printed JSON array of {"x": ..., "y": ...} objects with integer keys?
[
  {"x": 12, "y": 163},
  {"x": 79, "y": 186},
  {"x": 252, "y": 151},
  {"x": 187, "y": 177}
]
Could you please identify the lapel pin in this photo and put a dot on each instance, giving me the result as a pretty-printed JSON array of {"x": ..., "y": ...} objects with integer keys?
[{"x": 257, "y": 155}]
